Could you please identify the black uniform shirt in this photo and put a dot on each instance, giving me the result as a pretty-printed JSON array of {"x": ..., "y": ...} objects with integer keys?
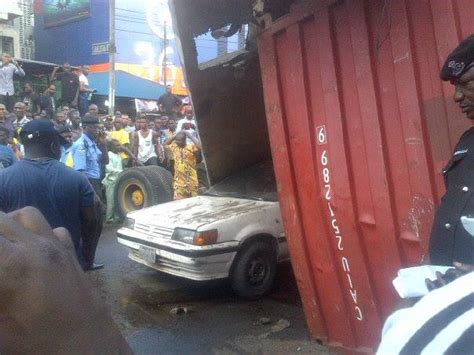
[
  {"x": 69, "y": 86},
  {"x": 449, "y": 240},
  {"x": 170, "y": 102}
]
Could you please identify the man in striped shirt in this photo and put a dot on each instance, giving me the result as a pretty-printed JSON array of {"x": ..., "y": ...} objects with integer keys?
[{"x": 442, "y": 322}]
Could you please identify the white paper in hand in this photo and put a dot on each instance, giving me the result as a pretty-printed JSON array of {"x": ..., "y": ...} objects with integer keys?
[
  {"x": 410, "y": 282},
  {"x": 468, "y": 224}
]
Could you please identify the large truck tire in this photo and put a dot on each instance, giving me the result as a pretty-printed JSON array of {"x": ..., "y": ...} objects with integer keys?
[
  {"x": 141, "y": 187},
  {"x": 157, "y": 173}
]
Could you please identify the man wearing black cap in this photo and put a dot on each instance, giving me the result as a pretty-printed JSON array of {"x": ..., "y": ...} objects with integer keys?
[
  {"x": 450, "y": 242},
  {"x": 64, "y": 196},
  {"x": 89, "y": 154}
]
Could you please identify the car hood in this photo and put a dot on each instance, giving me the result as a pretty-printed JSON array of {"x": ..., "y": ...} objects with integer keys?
[{"x": 194, "y": 212}]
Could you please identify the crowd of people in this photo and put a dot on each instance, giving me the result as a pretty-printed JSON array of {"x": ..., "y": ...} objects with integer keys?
[{"x": 64, "y": 158}]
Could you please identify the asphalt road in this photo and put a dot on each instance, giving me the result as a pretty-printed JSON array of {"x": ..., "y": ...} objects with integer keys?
[{"x": 217, "y": 322}]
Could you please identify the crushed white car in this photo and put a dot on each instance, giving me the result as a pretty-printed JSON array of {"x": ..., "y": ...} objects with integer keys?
[{"x": 234, "y": 230}]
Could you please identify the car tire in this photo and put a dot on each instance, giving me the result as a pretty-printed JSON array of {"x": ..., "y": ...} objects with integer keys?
[
  {"x": 139, "y": 188},
  {"x": 254, "y": 270}
]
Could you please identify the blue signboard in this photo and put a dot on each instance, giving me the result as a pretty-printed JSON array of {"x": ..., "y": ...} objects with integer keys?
[{"x": 73, "y": 42}]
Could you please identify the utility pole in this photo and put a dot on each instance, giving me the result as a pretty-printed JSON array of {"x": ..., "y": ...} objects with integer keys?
[
  {"x": 165, "y": 59},
  {"x": 112, "y": 51}
]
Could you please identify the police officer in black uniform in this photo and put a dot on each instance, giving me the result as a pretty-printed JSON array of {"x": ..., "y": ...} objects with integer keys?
[{"x": 450, "y": 242}]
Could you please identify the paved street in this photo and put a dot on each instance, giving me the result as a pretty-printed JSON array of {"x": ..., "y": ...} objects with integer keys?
[{"x": 219, "y": 322}]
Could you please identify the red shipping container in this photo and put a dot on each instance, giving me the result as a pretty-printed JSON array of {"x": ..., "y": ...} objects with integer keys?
[{"x": 360, "y": 126}]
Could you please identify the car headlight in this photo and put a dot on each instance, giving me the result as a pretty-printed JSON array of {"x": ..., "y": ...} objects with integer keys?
[
  {"x": 193, "y": 237},
  {"x": 129, "y": 223},
  {"x": 184, "y": 235}
]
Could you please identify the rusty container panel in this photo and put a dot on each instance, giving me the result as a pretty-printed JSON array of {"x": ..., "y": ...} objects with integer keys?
[{"x": 360, "y": 126}]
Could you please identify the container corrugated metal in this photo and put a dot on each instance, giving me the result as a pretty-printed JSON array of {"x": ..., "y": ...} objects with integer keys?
[{"x": 360, "y": 127}]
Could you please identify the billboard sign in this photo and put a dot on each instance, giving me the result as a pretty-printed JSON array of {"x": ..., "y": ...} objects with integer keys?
[
  {"x": 59, "y": 12},
  {"x": 146, "y": 44}
]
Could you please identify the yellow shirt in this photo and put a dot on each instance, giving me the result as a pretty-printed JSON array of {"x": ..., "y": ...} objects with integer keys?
[{"x": 123, "y": 138}]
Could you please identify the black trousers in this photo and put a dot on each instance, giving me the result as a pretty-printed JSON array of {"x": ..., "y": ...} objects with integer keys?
[{"x": 90, "y": 242}]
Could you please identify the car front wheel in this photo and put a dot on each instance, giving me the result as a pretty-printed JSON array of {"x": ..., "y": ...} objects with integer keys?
[{"x": 254, "y": 270}]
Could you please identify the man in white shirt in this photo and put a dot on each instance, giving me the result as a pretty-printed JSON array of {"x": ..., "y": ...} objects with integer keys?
[
  {"x": 440, "y": 323},
  {"x": 8, "y": 68},
  {"x": 84, "y": 90}
]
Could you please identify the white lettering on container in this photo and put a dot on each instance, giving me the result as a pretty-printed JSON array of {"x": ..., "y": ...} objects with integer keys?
[{"x": 326, "y": 176}]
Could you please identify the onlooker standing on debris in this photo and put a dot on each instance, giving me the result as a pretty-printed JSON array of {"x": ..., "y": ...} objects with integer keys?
[
  {"x": 69, "y": 85},
  {"x": 48, "y": 102},
  {"x": 20, "y": 115},
  {"x": 8, "y": 68},
  {"x": 64, "y": 196},
  {"x": 84, "y": 90},
  {"x": 186, "y": 182},
  {"x": 145, "y": 144},
  {"x": 169, "y": 103},
  {"x": 7, "y": 156},
  {"x": 31, "y": 99},
  {"x": 112, "y": 170}
]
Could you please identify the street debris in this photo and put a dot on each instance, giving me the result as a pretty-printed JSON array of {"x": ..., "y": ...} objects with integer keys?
[
  {"x": 278, "y": 327},
  {"x": 264, "y": 321},
  {"x": 181, "y": 310}
]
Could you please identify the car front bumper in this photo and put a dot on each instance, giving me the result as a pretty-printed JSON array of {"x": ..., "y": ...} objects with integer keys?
[{"x": 192, "y": 262}]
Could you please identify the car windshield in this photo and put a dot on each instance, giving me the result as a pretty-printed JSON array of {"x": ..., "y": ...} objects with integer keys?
[{"x": 257, "y": 182}]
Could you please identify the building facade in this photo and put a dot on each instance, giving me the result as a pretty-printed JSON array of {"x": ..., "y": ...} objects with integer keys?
[
  {"x": 16, "y": 28},
  {"x": 9, "y": 34},
  {"x": 24, "y": 25}
]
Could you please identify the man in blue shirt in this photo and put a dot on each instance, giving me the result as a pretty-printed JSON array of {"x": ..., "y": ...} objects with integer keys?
[
  {"x": 88, "y": 154},
  {"x": 64, "y": 196},
  {"x": 7, "y": 157}
]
